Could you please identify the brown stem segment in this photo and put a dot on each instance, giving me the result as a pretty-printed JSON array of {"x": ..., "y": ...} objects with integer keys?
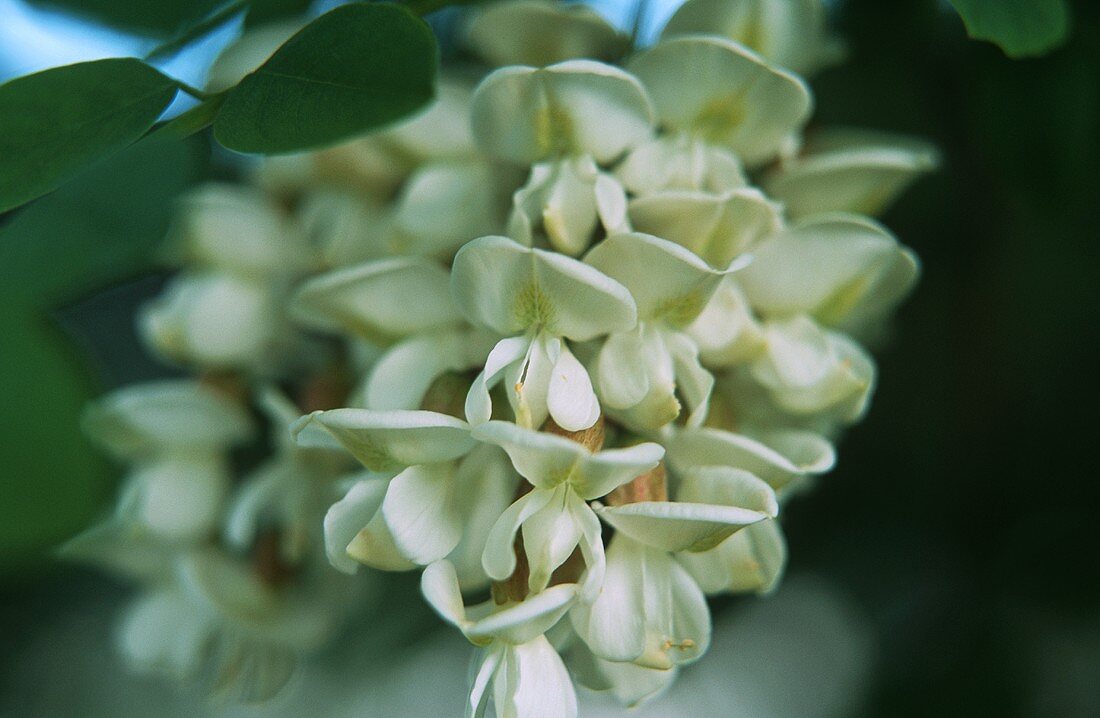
[{"x": 650, "y": 486}]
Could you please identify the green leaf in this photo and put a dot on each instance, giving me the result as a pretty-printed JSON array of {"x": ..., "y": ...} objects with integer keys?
[
  {"x": 55, "y": 122},
  {"x": 99, "y": 228},
  {"x": 354, "y": 69},
  {"x": 1022, "y": 28},
  {"x": 162, "y": 18},
  {"x": 265, "y": 11}
]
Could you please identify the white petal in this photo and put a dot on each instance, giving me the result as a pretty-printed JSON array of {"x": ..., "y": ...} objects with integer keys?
[
  {"x": 527, "y": 383},
  {"x": 668, "y": 283},
  {"x": 849, "y": 171},
  {"x": 735, "y": 98},
  {"x": 421, "y": 512},
  {"x": 714, "y": 447},
  {"x": 499, "y": 558},
  {"x": 693, "y": 382},
  {"x": 526, "y": 620},
  {"x": 613, "y": 626},
  {"x": 392, "y": 440},
  {"x": 539, "y": 33},
  {"x": 611, "y": 204},
  {"x": 677, "y": 617},
  {"x": 523, "y": 114},
  {"x": 591, "y": 545},
  {"x": 726, "y": 331},
  {"x": 752, "y": 559},
  {"x": 163, "y": 630},
  {"x": 549, "y": 537},
  {"x": 603, "y": 472},
  {"x": 570, "y": 398},
  {"x": 485, "y": 485},
  {"x": 439, "y": 584},
  {"x": 824, "y": 266},
  {"x": 680, "y": 162},
  {"x": 402, "y": 376},
  {"x": 479, "y": 405},
  {"x": 678, "y": 525},
  {"x": 716, "y": 227},
  {"x": 181, "y": 498},
  {"x": 384, "y": 299},
  {"x": 507, "y": 287},
  {"x": 154, "y": 416},
  {"x": 569, "y": 213},
  {"x": 537, "y": 685},
  {"x": 622, "y": 378},
  {"x": 347, "y": 517}
]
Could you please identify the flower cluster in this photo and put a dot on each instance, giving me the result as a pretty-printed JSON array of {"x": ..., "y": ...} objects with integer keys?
[{"x": 568, "y": 339}]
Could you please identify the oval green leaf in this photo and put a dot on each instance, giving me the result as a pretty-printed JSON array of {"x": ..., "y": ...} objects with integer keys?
[
  {"x": 55, "y": 122},
  {"x": 1022, "y": 28},
  {"x": 354, "y": 69}
]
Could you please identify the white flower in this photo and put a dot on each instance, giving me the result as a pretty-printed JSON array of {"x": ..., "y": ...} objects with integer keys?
[
  {"x": 517, "y": 667},
  {"x": 640, "y": 371},
  {"x": 790, "y": 33},
  {"x": 539, "y": 33},
  {"x": 566, "y": 119},
  {"x": 680, "y": 162},
  {"x": 544, "y": 298},
  {"x": 554, "y": 516},
  {"x": 175, "y": 433},
  {"x": 735, "y": 98}
]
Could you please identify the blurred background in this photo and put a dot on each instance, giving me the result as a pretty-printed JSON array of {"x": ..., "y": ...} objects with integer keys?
[{"x": 946, "y": 567}]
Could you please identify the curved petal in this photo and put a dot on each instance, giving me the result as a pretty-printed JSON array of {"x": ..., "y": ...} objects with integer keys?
[
  {"x": 347, "y": 517},
  {"x": 499, "y": 557},
  {"x": 714, "y": 447},
  {"x": 391, "y": 440},
  {"x": 421, "y": 512},
  {"x": 479, "y": 405},
  {"x": 680, "y": 162},
  {"x": 849, "y": 171},
  {"x": 622, "y": 378},
  {"x": 383, "y": 299},
  {"x": 735, "y": 97},
  {"x": 679, "y": 525},
  {"x": 524, "y": 115},
  {"x": 726, "y": 332},
  {"x": 539, "y": 33},
  {"x": 527, "y": 620},
  {"x": 533, "y": 682},
  {"x": 613, "y": 625},
  {"x": 668, "y": 282},
  {"x": 570, "y": 399},
  {"x": 752, "y": 559},
  {"x": 439, "y": 584},
  {"x": 502, "y": 285}
]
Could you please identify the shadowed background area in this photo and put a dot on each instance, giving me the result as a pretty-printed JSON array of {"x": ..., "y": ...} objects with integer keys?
[{"x": 956, "y": 535}]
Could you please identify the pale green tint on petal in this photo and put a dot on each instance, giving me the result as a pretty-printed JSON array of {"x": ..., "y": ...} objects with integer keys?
[
  {"x": 349, "y": 228},
  {"x": 668, "y": 282},
  {"x": 797, "y": 354},
  {"x": 155, "y": 416},
  {"x": 726, "y": 332},
  {"x": 166, "y": 632},
  {"x": 422, "y": 513},
  {"x": 634, "y": 685},
  {"x": 348, "y": 516},
  {"x": 791, "y": 33},
  {"x": 229, "y": 586},
  {"x": 659, "y": 405},
  {"x": 374, "y": 546},
  {"x": 527, "y": 382},
  {"x": 613, "y": 626},
  {"x": 179, "y": 497},
  {"x": 620, "y": 370},
  {"x": 717, "y": 227},
  {"x": 752, "y": 560},
  {"x": 402, "y": 376},
  {"x": 441, "y": 131},
  {"x": 568, "y": 208},
  {"x": 825, "y": 266},
  {"x": 605, "y": 471},
  {"x": 715, "y": 447},
  {"x": 849, "y": 171},
  {"x": 214, "y": 319},
  {"x": 734, "y": 98},
  {"x": 679, "y": 525},
  {"x": 499, "y": 557},
  {"x": 238, "y": 230},
  {"x": 728, "y": 486},
  {"x": 549, "y": 537},
  {"x": 392, "y": 440},
  {"x": 504, "y": 286},
  {"x": 523, "y": 114},
  {"x": 570, "y": 399},
  {"x": 384, "y": 299},
  {"x": 591, "y": 546},
  {"x": 443, "y": 206},
  {"x": 679, "y": 162},
  {"x": 693, "y": 382},
  {"x": 539, "y": 33}
]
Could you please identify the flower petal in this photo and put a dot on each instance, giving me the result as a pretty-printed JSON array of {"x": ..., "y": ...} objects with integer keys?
[
  {"x": 526, "y": 620},
  {"x": 392, "y": 440},
  {"x": 421, "y": 512},
  {"x": 613, "y": 626},
  {"x": 679, "y": 525},
  {"x": 752, "y": 559},
  {"x": 539, "y": 33},
  {"x": 714, "y": 447},
  {"x": 348, "y": 516},
  {"x": 382, "y": 299},
  {"x": 499, "y": 557},
  {"x": 668, "y": 282},
  {"x": 622, "y": 378},
  {"x": 509, "y": 288},
  {"x": 570, "y": 399},
  {"x": 735, "y": 97},
  {"x": 523, "y": 115}
]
